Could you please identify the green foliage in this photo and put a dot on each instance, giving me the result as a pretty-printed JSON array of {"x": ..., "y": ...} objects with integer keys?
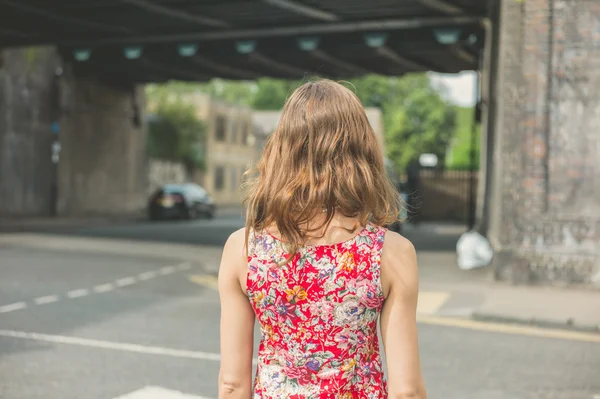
[
  {"x": 176, "y": 133},
  {"x": 459, "y": 157},
  {"x": 416, "y": 117},
  {"x": 272, "y": 93}
]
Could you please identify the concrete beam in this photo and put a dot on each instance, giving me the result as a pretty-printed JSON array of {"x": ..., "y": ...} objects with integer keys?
[
  {"x": 65, "y": 19},
  {"x": 304, "y": 10},
  {"x": 276, "y": 65},
  {"x": 347, "y": 66},
  {"x": 443, "y": 6},
  {"x": 181, "y": 73},
  {"x": 325, "y": 28},
  {"x": 402, "y": 61},
  {"x": 240, "y": 73},
  {"x": 158, "y": 9}
]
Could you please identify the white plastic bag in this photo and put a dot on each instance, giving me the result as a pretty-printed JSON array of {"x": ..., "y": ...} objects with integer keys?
[{"x": 473, "y": 250}]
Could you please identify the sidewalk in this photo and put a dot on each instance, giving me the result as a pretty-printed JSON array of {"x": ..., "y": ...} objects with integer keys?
[
  {"x": 474, "y": 294},
  {"x": 445, "y": 290}
]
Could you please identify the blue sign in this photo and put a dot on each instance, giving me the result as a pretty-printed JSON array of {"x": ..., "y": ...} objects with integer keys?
[{"x": 55, "y": 127}]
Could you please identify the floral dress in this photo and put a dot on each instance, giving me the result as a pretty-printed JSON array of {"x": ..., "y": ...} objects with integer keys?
[{"x": 318, "y": 317}]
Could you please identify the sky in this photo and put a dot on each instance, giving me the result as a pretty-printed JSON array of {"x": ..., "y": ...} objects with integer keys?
[{"x": 460, "y": 87}]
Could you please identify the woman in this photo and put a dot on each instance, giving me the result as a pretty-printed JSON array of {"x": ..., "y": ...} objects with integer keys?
[{"x": 315, "y": 267}]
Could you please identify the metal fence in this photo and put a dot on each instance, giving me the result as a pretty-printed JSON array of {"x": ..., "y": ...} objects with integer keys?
[{"x": 443, "y": 195}]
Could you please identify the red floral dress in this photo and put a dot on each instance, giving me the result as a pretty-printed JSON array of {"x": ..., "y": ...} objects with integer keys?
[{"x": 318, "y": 316}]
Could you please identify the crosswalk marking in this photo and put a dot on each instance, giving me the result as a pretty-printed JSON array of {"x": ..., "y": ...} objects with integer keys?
[{"x": 158, "y": 393}]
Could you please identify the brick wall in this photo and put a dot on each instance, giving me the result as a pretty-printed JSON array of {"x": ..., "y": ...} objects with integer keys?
[{"x": 546, "y": 193}]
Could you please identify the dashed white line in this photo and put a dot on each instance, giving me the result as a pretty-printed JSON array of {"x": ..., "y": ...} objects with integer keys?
[
  {"x": 78, "y": 293},
  {"x": 43, "y": 300},
  {"x": 104, "y": 288},
  {"x": 167, "y": 270},
  {"x": 184, "y": 266},
  {"x": 13, "y": 306},
  {"x": 123, "y": 282},
  {"x": 147, "y": 275}
]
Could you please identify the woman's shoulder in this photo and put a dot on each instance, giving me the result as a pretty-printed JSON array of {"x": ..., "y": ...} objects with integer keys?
[{"x": 399, "y": 262}]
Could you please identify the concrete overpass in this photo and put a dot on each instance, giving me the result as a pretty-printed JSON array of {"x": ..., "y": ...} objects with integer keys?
[{"x": 540, "y": 201}]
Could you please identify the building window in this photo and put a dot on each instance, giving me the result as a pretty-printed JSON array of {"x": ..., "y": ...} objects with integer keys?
[
  {"x": 219, "y": 178},
  {"x": 220, "y": 133}
]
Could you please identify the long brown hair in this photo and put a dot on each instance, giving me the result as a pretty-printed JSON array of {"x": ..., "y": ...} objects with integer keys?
[{"x": 323, "y": 157}]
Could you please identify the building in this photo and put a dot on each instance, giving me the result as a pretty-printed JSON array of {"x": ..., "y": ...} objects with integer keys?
[{"x": 229, "y": 148}]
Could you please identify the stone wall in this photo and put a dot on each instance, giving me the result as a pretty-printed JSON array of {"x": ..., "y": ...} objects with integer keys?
[
  {"x": 27, "y": 88},
  {"x": 546, "y": 191}
]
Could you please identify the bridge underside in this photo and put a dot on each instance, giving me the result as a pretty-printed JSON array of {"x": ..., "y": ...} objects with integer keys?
[{"x": 157, "y": 40}]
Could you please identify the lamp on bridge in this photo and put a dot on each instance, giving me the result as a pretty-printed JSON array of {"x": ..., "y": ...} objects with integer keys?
[
  {"x": 308, "y": 43},
  {"x": 447, "y": 36},
  {"x": 375, "y": 40},
  {"x": 82, "y": 55},
  {"x": 132, "y": 53},
  {"x": 245, "y": 46},
  {"x": 188, "y": 50}
]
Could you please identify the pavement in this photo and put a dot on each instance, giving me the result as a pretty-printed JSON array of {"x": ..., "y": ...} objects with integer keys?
[{"x": 130, "y": 311}]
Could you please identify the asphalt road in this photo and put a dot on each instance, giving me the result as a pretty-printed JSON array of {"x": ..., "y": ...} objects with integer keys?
[{"x": 100, "y": 326}]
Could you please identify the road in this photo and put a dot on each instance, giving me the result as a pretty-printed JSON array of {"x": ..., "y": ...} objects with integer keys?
[{"x": 98, "y": 325}]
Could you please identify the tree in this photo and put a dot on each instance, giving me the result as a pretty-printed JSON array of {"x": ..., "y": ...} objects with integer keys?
[
  {"x": 459, "y": 152},
  {"x": 417, "y": 120},
  {"x": 175, "y": 133}
]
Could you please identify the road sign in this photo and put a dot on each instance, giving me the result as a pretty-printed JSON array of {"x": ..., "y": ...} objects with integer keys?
[{"x": 158, "y": 393}]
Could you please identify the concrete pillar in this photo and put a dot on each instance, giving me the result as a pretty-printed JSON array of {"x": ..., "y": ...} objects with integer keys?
[
  {"x": 102, "y": 167},
  {"x": 103, "y": 163},
  {"x": 27, "y": 90},
  {"x": 545, "y": 202}
]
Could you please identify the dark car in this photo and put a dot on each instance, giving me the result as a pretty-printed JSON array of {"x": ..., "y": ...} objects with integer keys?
[{"x": 180, "y": 201}]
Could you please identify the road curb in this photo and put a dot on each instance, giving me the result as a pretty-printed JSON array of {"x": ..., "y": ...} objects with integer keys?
[{"x": 568, "y": 325}]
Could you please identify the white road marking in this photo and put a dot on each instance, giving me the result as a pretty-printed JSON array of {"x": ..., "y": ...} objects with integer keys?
[
  {"x": 167, "y": 270},
  {"x": 158, "y": 392},
  {"x": 12, "y": 307},
  {"x": 147, "y": 275},
  {"x": 119, "y": 346},
  {"x": 104, "y": 288},
  {"x": 45, "y": 299},
  {"x": 184, "y": 266},
  {"x": 123, "y": 282},
  {"x": 430, "y": 302},
  {"x": 78, "y": 293}
]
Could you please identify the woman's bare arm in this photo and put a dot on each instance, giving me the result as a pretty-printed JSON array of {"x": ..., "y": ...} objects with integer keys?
[
  {"x": 237, "y": 322},
  {"x": 398, "y": 318}
]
